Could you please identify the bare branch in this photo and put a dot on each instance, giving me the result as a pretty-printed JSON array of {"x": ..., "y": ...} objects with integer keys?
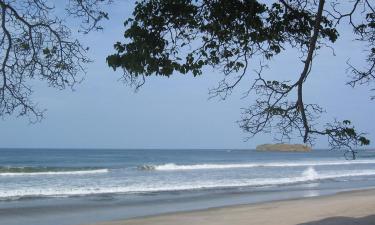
[{"x": 37, "y": 45}]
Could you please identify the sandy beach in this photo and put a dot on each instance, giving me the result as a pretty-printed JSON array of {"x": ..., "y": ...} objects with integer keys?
[{"x": 356, "y": 207}]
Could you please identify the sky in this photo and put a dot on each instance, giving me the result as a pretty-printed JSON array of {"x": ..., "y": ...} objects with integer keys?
[{"x": 176, "y": 112}]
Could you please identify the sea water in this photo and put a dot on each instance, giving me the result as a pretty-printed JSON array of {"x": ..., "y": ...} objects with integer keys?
[{"x": 144, "y": 182}]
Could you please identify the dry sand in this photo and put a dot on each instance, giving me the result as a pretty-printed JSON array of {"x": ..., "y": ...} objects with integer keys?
[{"x": 357, "y": 207}]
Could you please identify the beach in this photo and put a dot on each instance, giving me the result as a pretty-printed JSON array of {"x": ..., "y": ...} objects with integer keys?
[{"x": 354, "y": 207}]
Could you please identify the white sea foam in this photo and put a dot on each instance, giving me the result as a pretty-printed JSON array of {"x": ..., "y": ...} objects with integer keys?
[
  {"x": 172, "y": 166},
  {"x": 78, "y": 172},
  {"x": 308, "y": 175}
]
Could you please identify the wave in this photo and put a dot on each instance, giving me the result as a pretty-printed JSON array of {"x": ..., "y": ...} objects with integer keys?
[
  {"x": 35, "y": 171},
  {"x": 309, "y": 175},
  {"x": 172, "y": 166}
]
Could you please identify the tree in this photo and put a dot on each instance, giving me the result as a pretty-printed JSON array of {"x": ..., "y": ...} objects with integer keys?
[
  {"x": 164, "y": 37},
  {"x": 36, "y": 43}
]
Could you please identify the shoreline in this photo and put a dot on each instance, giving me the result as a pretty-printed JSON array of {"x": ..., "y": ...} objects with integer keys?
[{"x": 343, "y": 208}]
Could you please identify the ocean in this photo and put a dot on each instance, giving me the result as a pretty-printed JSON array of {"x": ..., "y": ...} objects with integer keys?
[{"x": 80, "y": 186}]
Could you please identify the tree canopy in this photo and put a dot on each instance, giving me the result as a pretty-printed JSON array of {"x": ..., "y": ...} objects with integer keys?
[{"x": 165, "y": 37}]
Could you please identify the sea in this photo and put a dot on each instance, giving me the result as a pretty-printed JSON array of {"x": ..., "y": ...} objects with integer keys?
[{"x": 82, "y": 186}]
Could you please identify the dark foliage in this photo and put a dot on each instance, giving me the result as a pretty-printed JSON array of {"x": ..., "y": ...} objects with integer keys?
[{"x": 185, "y": 36}]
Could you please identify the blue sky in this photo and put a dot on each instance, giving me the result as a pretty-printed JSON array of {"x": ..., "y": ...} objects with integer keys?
[{"x": 175, "y": 112}]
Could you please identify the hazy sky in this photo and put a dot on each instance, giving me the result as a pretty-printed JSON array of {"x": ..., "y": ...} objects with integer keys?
[{"x": 175, "y": 112}]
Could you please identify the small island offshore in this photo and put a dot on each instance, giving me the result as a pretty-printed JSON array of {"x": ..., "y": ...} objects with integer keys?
[{"x": 283, "y": 148}]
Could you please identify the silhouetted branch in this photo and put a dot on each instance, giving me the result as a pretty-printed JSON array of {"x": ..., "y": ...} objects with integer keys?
[
  {"x": 36, "y": 44},
  {"x": 365, "y": 29},
  {"x": 164, "y": 37}
]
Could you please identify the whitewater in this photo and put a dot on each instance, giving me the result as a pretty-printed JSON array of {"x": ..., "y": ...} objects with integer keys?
[
  {"x": 172, "y": 166},
  {"x": 38, "y": 174},
  {"x": 308, "y": 175}
]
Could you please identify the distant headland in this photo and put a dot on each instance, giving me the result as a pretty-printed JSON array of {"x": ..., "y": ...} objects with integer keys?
[{"x": 283, "y": 148}]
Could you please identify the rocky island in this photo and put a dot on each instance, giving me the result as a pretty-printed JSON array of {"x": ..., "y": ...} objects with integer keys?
[{"x": 283, "y": 148}]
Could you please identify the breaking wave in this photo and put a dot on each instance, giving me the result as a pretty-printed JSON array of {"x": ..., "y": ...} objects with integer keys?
[
  {"x": 172, "y": 166},
  {"x": 309, "y": 175},
  {"x": 35, "y": 171}
]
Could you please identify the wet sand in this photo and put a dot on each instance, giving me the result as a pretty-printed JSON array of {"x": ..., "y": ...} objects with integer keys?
[{"x": 347, "y": 208}]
